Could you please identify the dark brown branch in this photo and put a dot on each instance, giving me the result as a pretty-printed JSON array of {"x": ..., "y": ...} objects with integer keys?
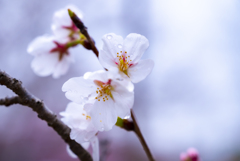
[
  {"x": 83, "y": 29},
  {"x": 10, "y": 101},
  {"x": 141, "y": 138},
  {"x": 27, "y": 99}
]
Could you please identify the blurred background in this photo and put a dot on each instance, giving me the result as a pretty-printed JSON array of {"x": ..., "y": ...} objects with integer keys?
[{"x": 191, "y": 98}]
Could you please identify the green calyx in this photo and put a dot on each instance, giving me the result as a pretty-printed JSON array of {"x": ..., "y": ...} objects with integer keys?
[{"x": 119, "y": 122}]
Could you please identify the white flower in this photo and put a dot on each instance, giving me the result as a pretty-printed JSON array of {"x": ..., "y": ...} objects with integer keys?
[
  {"x": 125, "y": 55},
  {"x": 63, "y": 26},
  {"x": 95, "y": 148},
  {"x": 106, "y": 97},
  {"x": 80, "y": 123},
  {"x": 51, "y": 56}
]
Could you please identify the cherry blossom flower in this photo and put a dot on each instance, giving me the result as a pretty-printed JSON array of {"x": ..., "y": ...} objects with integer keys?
[
  {"x": 95, "y": 148},
  {"x": 105, "y": 97},
  {"x": 63, "y": 26},
  {"x": 80, "y": 123},
  {"x": 125, "y": 55},
  {"x": 191, "y": 155},
  {"x": 51, "y": 56}
]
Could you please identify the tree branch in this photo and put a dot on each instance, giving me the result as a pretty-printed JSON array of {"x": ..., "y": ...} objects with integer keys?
[
  {"x": 27, "y": 99},
  {"x": 133, "y": 126},
  {"x": 141, "y": 138},
  {"x": 10, "y": 101}
]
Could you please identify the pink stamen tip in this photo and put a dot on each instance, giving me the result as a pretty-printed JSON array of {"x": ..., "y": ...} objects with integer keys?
[
  {"x": 130, "y": 65},
  {"x": 109, "y": 81}
]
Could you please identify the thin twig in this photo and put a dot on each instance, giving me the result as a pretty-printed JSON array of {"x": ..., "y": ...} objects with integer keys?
[
  {"x": 27, "y": 99},
  {"x": 10, "y": 101},
  {"x": 141, "y": 138},
  {"x": 83, "y": 29}
]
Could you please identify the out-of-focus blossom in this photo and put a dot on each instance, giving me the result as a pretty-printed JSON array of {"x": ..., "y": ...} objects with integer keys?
[
  {"x": 191, "y": 155},
  {"x": 63, "y": 26},
  {"x": 80, "y": 123},
  {"x": 106, "y": 98},
  {"x": 51, "y": 56},
  {"x": 125, "y": 55},
  {"x": 95, "y": 148}
]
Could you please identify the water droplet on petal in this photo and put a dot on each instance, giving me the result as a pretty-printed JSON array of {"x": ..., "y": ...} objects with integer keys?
[
  {"x": 119, "y": 46},
  {"x": 102, "y": 129},
  {"x": 109, "y": 37},
  {"x": 127, "y": 117}
]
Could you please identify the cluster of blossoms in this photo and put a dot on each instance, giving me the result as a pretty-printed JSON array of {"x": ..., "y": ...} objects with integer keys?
[
  {"x": 100, "y": 97},
  {"x": 190, "y": 155},
  {"x": 52, "y": 56}
]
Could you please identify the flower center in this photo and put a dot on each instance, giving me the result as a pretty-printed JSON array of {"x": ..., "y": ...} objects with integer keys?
[
  {"x": 104, "y": 90},
  {"x": 124, "y": 62},
  {"x": 62, "y": 49}
]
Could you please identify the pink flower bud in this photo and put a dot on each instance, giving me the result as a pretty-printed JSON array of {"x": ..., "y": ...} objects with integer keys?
[{"x": 191, "y": 155}]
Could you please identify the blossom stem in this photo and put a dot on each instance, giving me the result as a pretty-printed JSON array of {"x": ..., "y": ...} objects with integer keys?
[
  {"x": 141, "y": 138},
  {"x": 73, "y": 43}
]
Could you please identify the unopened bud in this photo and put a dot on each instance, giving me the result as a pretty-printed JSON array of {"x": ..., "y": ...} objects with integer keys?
[
  {"x": 191, "y": 155},
  {"x": 71, "y": 13},
  {"x": 87, "y": 45}
]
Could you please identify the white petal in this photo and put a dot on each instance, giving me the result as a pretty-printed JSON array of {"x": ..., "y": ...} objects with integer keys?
[
  {"x": 44, "y": 64},
  {"x": 135, "y": 45},
  {"x": 77, "y": 135},
  {"x": 61, "y": 19},
  {"x": 85, "y": 145},
  {"x": 107, "y": 60},
  {"x": 97, "y": 75},
  {"x": 41, "y": 45},
  {"x": 62, "y": 66},
  {"x": 70, "y": 153},
  {"x": 95, "y": 147},
  {"x": 72, "y": 109},
  {"x": 104, "y": 115},
  {"x": 100, "y": 75},
  {"x": 60, "y": 32},
  {"x": 112, "y": 44},
  {"x": 88, "y": 106},
  {"x": 78, "y": 88},
  {"x": 82, "y": 135},
  {"x": 127, "y": 84},
  {"x": 91, "y": 132},
  {"x": 81, "y": 128},
  {"x": 123, "y": 99},
  {"x": 141, "y": 70},
  {"x": 74, "y": 116}
]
